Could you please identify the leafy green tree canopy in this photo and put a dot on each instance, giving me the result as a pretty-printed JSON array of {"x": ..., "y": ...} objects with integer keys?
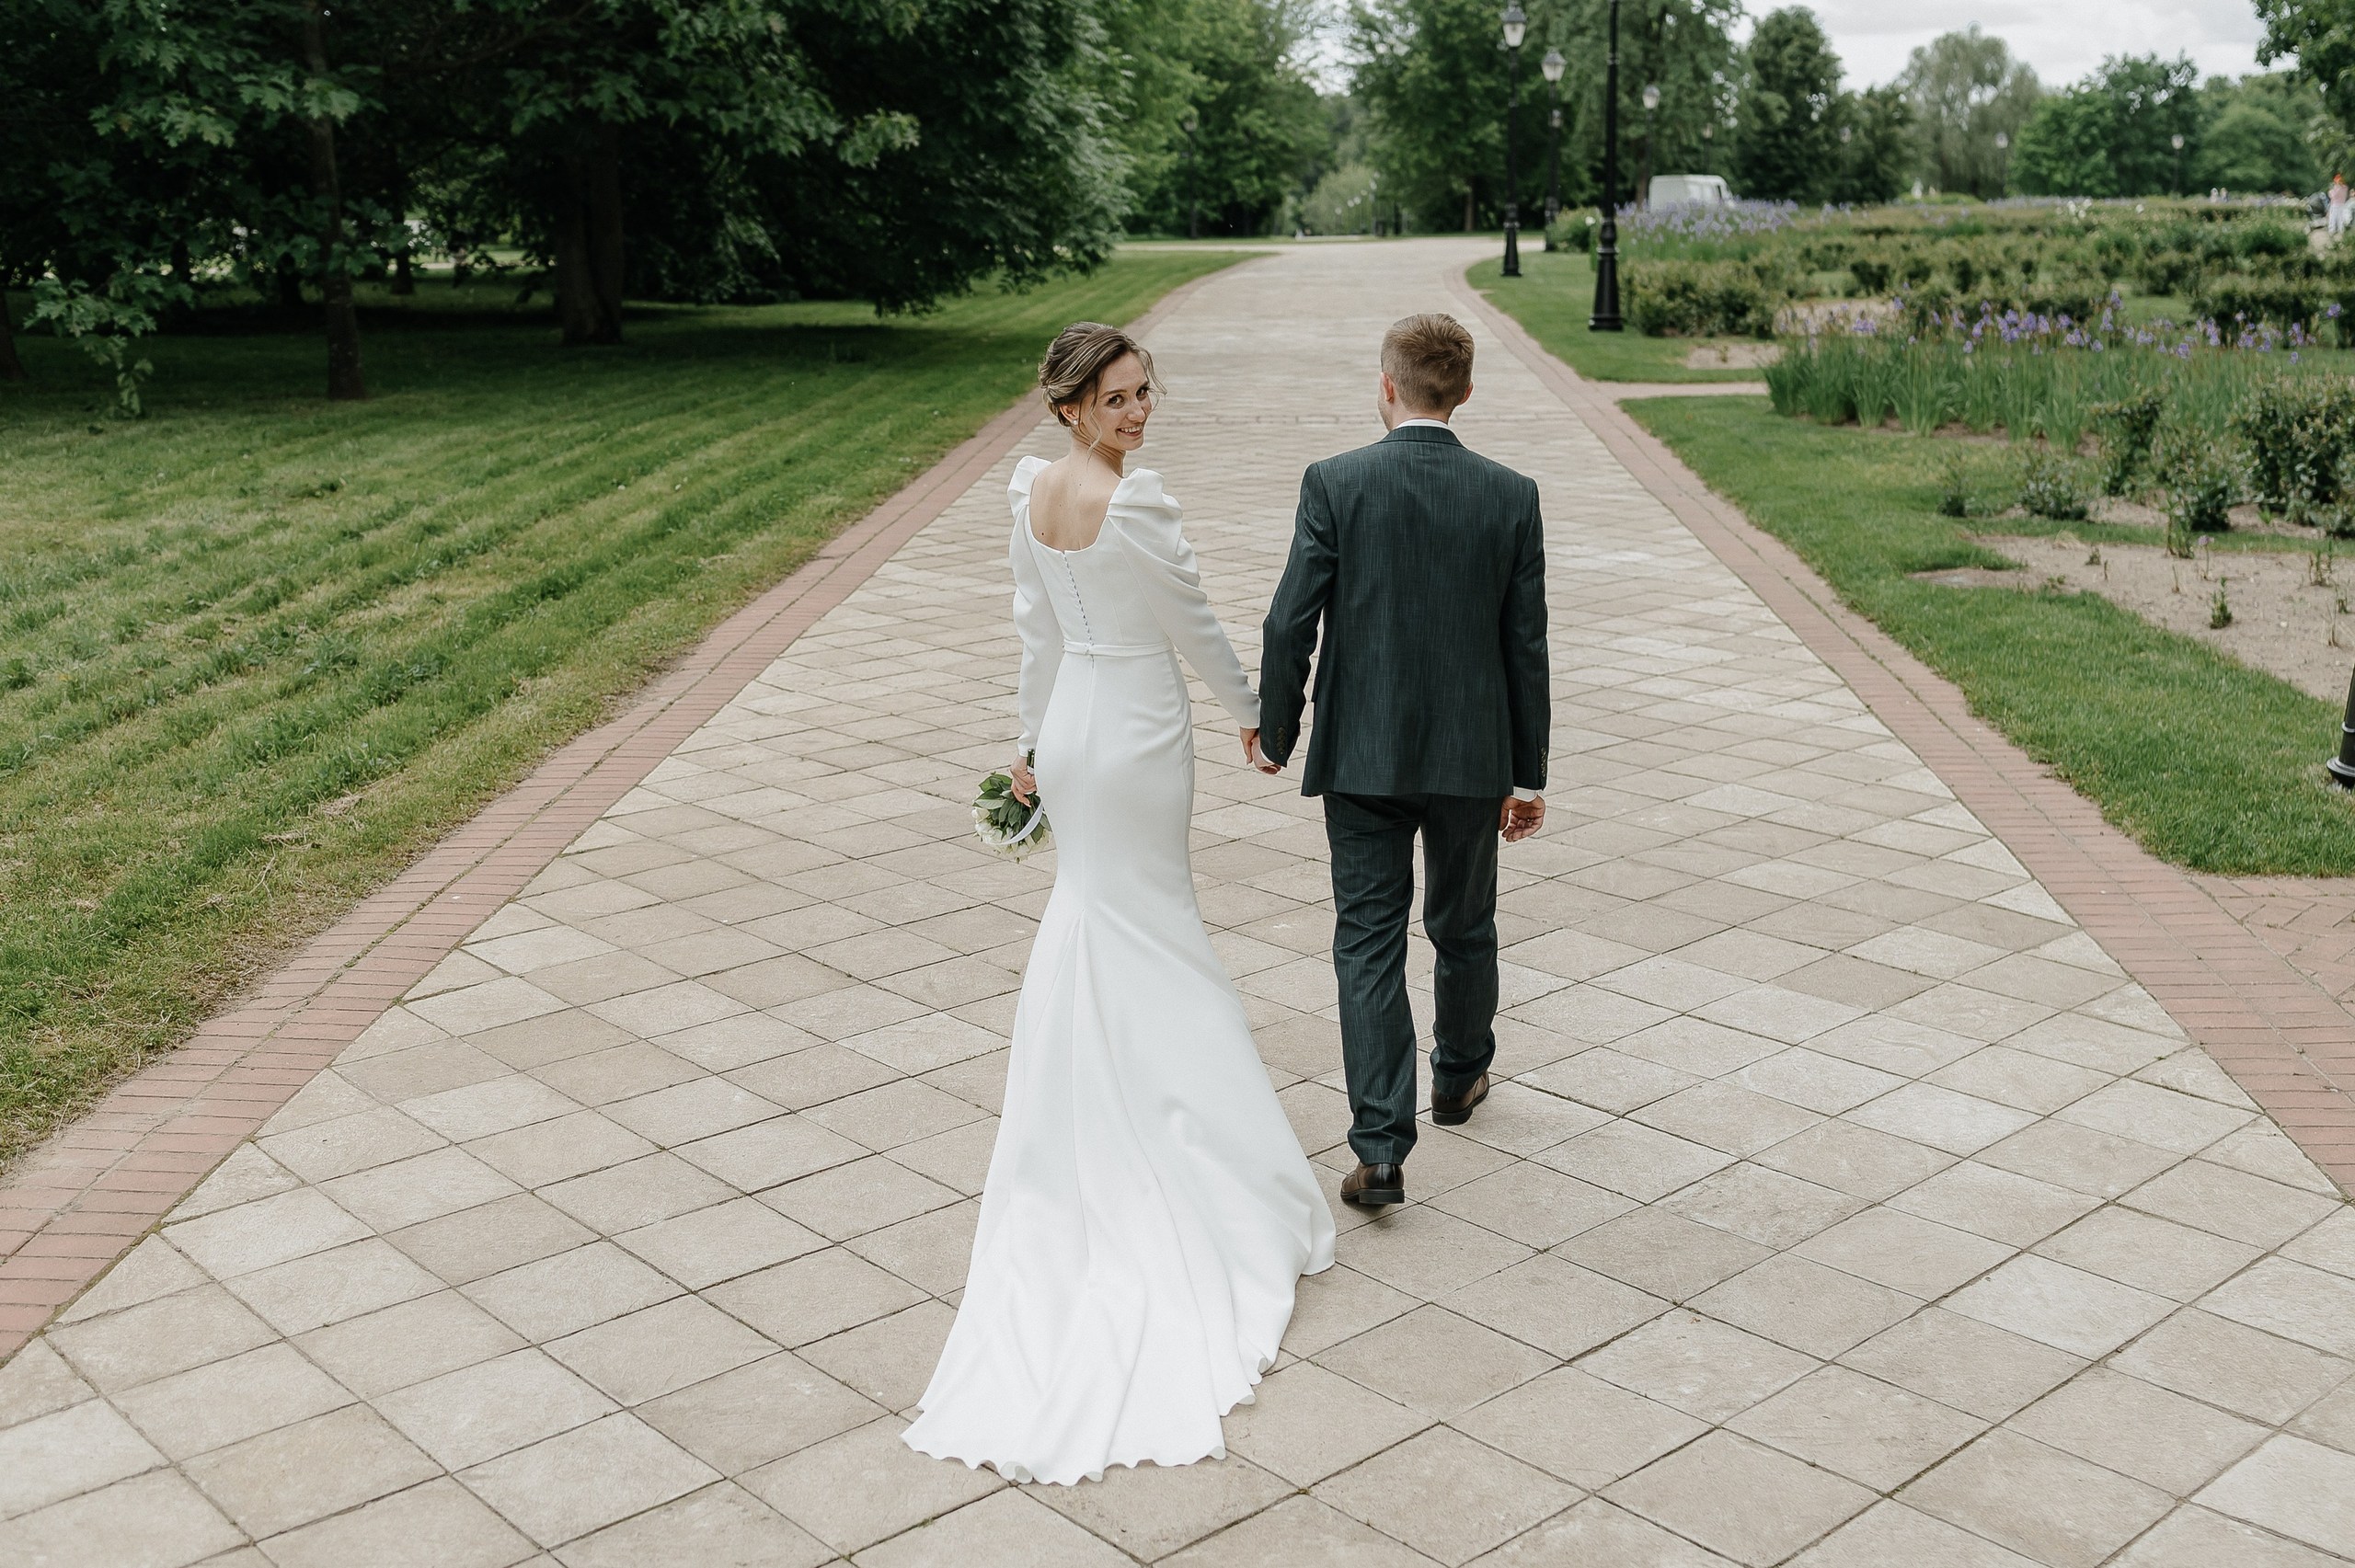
[
  {"x": 1965, "y": 90},
  {"x": 1432, "y": 75},
  {"x": 1220, "y": 124},
  {"x": 1789, "y": 147},
  {"x": 2255, "y": 136},
  {"x": 2112, "y": 134}
]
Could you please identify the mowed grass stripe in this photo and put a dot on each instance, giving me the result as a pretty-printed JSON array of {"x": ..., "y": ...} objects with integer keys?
[{"x": 519, "y": 537}]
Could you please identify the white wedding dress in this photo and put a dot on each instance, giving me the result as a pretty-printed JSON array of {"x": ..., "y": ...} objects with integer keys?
[{"x": 1148, "y": 1210}]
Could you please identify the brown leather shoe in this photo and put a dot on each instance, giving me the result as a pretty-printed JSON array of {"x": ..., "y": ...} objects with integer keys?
[
  {"x": 1371, "y": 1186},
  {"x": 1455, "y": 1110}
]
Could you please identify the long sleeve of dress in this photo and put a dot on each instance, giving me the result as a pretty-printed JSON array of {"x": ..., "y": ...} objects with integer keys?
[
  {"x": 1042, "y": 638},
  {"x": 1172, "y": 581}
]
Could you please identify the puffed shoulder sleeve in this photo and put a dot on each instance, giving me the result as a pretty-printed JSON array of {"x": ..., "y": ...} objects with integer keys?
[
  {"x": 1155, "y": 543},
  {"x": 1034, "y": 618}
]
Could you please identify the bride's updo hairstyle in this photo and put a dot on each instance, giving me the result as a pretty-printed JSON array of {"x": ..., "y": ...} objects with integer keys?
[{"x": 1075, "y": 361}]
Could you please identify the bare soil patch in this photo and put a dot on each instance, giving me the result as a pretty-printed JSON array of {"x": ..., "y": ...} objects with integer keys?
[
  {"x": 2283, "y": 621},
  {"x": 1732, "y": 356}
]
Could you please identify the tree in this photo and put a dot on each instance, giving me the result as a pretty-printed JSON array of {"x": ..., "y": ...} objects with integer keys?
[
  {"x": 52, "y": 51},
  {"x": 2254, "y": 135},
  {"x": 1788, "y": 147},
  {"x": 2112, "y": 134},
  {"x": 2319, "y": 37},
  {"x": 1259, "y": 130},
  {"x": 1876, "y": 146},
  {"x": 694, "y": 149},
  {"x": 1964, "y": 90},
  {"x": 2064, "y": 148},
  {"x": 1431, "y": 74}
]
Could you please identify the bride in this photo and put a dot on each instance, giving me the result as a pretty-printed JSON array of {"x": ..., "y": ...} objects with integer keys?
[{"x": 1148, "y": 1209}]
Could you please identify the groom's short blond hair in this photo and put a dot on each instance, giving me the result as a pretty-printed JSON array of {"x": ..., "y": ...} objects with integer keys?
[{"x": 1429, "y": 360}]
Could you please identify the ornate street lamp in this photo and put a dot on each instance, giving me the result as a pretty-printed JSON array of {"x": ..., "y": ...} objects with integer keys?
[
  {"x": 1644, "y": 174},
  {"x": 1553, "y": 66},
  {"x": 1516, "y": 28},
  {"x": 1607, "y": 244}
]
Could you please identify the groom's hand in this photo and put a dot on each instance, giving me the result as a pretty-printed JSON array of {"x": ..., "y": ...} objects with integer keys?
[
  {"x": 1518, "y": 819},
  {"x": 1251, "y": 752}
]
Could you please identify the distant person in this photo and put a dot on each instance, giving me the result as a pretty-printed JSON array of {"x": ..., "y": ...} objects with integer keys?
[{"x": 2340, "y": 208}]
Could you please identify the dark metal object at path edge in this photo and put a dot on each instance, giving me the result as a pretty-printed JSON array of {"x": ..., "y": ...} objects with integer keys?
[
  {"x": 2342, "y": 767},
  {"x": 1607, "y": 244},
  {"x": 1516, "y": 26}
]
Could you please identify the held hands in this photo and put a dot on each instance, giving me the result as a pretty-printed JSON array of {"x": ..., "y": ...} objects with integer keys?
[
  {"x": 1251, "y": 752},
  {"x": 1518, "y": 819}
]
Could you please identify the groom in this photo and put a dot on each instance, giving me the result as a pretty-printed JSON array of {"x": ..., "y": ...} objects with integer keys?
[{"x": 1425, "y": 565}]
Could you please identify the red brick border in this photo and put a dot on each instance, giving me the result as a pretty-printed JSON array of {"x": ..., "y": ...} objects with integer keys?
[
  {"x": 2284, "y": 1039},
  {"x": 77, "y": 1203}
]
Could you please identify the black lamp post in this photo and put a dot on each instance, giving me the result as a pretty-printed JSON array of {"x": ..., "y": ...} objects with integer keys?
[
  {"x": 1643, "y": 192},
  {"x": 1516, "y": 28},
  {"x": 1552, "y": 66},
  {"x": 1193, "y": 203},
  {"x": 1607, "y": 244}
]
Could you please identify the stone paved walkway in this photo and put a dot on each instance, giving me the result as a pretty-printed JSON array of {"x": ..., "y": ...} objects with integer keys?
[{"x": 1847, "y": 1206}]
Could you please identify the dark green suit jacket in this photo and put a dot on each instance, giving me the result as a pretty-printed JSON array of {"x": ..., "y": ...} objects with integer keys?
[{"x": 1425, "y": 565}]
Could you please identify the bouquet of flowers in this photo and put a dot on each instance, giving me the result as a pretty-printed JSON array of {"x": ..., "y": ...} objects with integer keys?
[{"x": 1003, "y": 823}]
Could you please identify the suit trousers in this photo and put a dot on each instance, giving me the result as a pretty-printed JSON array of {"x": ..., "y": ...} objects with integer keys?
[{"x": 1373, "y": 839}]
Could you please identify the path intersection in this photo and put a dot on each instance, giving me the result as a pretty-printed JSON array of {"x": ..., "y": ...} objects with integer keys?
[{"x": 1845, "y": 1203}]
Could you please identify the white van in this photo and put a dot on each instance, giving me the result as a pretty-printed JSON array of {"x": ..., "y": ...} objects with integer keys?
[{"x": 1671, "y": 189}]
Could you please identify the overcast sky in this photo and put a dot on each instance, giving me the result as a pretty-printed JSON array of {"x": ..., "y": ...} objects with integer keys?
[{"x": 2061, "y": 38}]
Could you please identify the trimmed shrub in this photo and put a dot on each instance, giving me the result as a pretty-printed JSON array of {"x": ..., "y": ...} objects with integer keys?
[
  {"x": 2301, "y": 439},
  {"x": 1574, "y": 228},
  {"x": 1698, "y": 299},
  {"x": 2124, "y": 431},
  {"x": 2203, "y": 480},
  {"x": 2049, "y": 486},
  {"x": 2277, "y": 300}
]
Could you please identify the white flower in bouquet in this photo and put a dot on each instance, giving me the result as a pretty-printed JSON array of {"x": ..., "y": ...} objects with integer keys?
[{"x": 1004, "y": 824}]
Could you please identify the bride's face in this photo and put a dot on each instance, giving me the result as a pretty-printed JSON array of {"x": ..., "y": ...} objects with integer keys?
[{"x": 1115, "y": 414}]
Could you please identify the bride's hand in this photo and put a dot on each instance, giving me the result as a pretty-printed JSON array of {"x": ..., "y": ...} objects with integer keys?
[
  {"x": 1026, "y": 783},
  {"x": 1251, "y": 751}
]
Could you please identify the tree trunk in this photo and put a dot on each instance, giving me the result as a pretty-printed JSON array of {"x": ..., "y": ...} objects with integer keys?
[
  {"x": 404, "y": 280},
  {"x": 11, "y": 367},
  {"x": 290, "y": 284},
  {"x": 1467, "y": 209},
  {"x": 576, "y": 313},
  {"x": 589, "y": 243},
  {"x": 605, "y": 230},
  {"x": 344, "y": 382}
]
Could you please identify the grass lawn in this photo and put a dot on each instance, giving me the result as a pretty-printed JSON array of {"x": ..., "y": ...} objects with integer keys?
[
  {"x": 258, "y": 651},
  {"x": 2205, "y": 762},
  {"x": 1554, "y": 296}
]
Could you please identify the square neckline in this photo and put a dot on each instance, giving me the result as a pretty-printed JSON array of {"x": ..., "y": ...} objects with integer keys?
[{"x": 1030, "y": 529}]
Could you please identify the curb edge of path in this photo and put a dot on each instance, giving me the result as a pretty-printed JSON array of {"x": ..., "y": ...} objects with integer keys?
[
  {"x": 79, "y": 1201},
  {"x": 2288, "y": 1043}
]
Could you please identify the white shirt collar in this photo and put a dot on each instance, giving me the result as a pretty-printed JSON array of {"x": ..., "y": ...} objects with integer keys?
[{"x": 1410, "y": 424}]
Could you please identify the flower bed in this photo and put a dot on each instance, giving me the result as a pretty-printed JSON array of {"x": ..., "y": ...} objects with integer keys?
[{"x": 2203, "y": 415}]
